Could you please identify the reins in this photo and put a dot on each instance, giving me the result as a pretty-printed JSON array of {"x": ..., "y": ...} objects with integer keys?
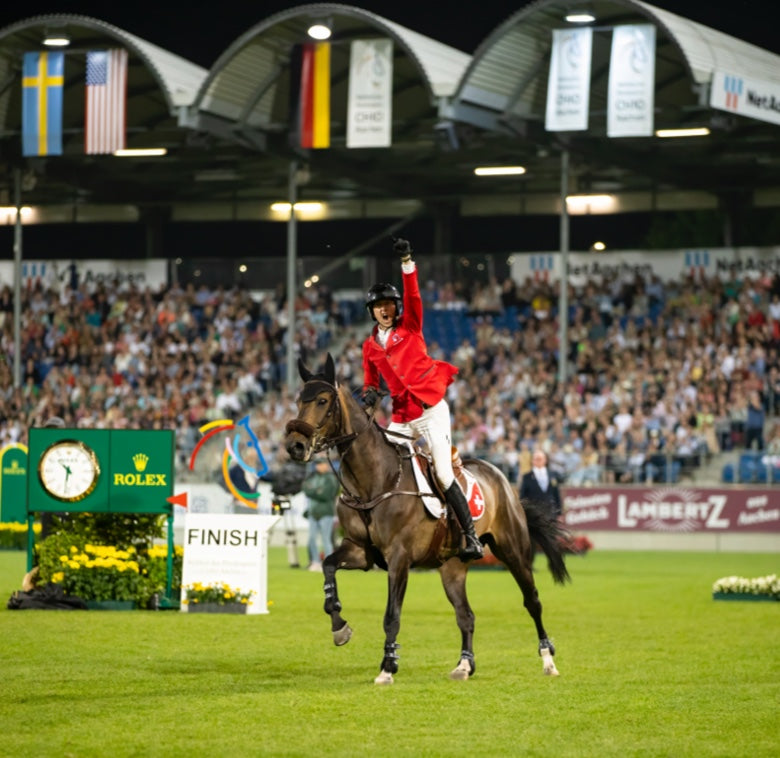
[{"x": 343, "y": 442}]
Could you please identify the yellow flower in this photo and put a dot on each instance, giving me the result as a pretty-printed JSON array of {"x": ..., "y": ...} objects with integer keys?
[{"x": 58, "y": 577}]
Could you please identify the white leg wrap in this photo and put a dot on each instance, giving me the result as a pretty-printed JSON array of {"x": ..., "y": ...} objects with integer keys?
[
  {"x": 385, "y": 677},
  {"x": 461, "y": 671},
  {"x": 548, "y": 663}
]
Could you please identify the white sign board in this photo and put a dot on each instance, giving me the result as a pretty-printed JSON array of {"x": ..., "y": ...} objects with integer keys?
[
  {"x": 151, "y": 272},
  {"x": 748, "y": 97},
  {"x": 631, "y": 82},
  {"x": 370, "y": 97},
  {"x": 228, "y": 548},
  {"x": 568, "y": 85},
  {"x": 744, "y": 262}
]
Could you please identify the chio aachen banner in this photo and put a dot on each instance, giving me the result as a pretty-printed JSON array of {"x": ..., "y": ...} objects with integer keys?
[{"x": 672, "y": 509}]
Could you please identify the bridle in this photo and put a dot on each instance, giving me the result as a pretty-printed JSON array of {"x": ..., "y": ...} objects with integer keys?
[
  {"x": 319, "y": 441},
  {"x": 317, "y": 436}
]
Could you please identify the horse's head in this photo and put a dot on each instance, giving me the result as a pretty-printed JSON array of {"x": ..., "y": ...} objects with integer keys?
[{"x": 320, "y": 416}]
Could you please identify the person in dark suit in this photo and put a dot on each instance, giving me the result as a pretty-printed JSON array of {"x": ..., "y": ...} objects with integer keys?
[{"x": 540, "y": 486}]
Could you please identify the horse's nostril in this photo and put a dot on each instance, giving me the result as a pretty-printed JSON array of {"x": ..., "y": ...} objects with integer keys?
[{"x": 296, "y": 451}]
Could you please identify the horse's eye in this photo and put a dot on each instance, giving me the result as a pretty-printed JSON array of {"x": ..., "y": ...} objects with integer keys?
[{"x": 322, "y": 400}]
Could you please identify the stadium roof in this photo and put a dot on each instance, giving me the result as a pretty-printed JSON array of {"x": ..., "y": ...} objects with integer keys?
[{"x": 228, "y": 130}]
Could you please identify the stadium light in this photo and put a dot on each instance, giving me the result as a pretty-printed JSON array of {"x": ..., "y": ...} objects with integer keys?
[
  {"x": 56, "y": 38},
  {"x": 140, "y": 152},
  {"x": 581, "y": 204},
  {"x": 319, "y": 31},
  {"x": 701, "y": 131},
  {"x": 499, "y": 170},
  {"x": 310, "y": 209},
  {"x": 580, "y": 16}
]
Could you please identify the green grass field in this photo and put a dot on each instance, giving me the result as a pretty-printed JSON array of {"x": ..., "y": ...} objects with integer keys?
[{"x": 650, "y": 666}]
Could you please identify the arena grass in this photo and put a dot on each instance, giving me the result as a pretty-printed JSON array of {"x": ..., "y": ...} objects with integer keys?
[{"x": 650, "y": 666}]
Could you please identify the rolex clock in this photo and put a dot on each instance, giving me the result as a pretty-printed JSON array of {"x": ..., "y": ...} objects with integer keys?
[{"x": 68, "y": 470}]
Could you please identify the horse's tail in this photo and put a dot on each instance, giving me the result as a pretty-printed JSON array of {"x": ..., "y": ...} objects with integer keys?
[{"x": 551, "y": 537}]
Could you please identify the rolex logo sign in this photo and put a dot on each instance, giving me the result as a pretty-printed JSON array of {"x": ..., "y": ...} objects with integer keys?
[{"x": 140, "y": 477}]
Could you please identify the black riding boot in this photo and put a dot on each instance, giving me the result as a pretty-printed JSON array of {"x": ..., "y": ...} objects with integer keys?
[{"x": 457, "y": 501}]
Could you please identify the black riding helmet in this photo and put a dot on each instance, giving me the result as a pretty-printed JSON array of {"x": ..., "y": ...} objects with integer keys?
[{"x": 383, "y": 291}]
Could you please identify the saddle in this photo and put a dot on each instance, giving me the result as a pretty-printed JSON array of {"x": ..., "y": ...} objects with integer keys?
[
  {"x": 446, "y": 536},
  {"x": 425, "y": 463}
]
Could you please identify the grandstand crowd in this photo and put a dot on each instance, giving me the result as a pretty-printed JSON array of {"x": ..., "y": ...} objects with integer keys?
[{"x": 663, "y": 374}]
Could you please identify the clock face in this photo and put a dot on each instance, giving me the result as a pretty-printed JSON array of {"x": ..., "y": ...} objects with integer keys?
[{"x": 68, "y": 470}]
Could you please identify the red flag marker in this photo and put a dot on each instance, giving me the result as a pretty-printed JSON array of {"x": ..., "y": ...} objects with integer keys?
[{"x": 180, "y": 499}]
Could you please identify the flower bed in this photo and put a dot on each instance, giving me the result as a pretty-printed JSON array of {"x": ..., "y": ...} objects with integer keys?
[
  {"x": 13, "y": 535},
  {"x": 216, "y": 598},
  {"x": 103, "y": 573},
  {"x": 742, "y": 588}
]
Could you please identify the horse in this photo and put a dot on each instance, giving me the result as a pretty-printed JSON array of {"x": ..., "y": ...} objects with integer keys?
[{"x": 385, "y": 523}]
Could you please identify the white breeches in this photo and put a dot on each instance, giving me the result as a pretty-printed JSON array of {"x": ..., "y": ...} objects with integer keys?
[{"x": 435, "y": 427}]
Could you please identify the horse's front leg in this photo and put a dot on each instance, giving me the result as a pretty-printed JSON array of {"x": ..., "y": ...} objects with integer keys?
[
  {"x": 348, "y": 555},
  {"x": 397, "y": 578},
  {"x": 453, "y": 577}
]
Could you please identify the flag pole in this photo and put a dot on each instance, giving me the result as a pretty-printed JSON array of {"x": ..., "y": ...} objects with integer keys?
[
  {"x": 292, "y": 192},
  {"x": 18, "y": 279},
  {"x": 563, "y": 307}
]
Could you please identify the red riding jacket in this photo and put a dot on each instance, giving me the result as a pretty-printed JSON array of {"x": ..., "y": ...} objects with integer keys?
[{"x": 411, "y": 375}]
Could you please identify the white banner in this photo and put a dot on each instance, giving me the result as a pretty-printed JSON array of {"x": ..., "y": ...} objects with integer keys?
[
  {"x": 568, "y": 85},
  {"x": 748, "y": 97},
  {"x": 631, "y": 82},
  {"x": 700, "y": 263},
  {"x": 143, "y": 273},
  {"x": 370, "y": 99},
  {"x": 228, "y": 548}
]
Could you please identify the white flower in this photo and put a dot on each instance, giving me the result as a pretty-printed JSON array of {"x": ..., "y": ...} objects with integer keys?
[{"x": 762, "y": 585}]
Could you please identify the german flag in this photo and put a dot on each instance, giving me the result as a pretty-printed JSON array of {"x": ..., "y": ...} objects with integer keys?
[{"x": 315, "y": 95}]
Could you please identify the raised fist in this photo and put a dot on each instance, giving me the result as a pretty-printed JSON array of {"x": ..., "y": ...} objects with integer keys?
[{"x": 403, "y": 248}]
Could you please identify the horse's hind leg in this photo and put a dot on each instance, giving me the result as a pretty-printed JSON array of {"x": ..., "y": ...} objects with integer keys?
[
  {"x": 453, "y": 577},
  {"x": 349, "y": 556},
  {"x": 520, "y": 566}
]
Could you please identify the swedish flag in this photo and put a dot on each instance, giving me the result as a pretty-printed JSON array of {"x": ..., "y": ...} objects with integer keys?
[{"x": 42, "y": 85}]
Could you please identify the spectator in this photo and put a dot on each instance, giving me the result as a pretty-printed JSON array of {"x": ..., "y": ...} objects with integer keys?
[
  {"x": 321, "y": 488},
  {"x": 540, "y": 487},
  {"x": 754, "y": 423}
]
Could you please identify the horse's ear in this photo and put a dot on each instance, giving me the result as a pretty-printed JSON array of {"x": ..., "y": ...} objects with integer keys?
[
  {"x": 330, "y": 370},
  {"x": 305, "y": 374}
]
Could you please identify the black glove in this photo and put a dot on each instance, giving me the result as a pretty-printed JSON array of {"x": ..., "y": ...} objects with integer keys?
[
  {"x": 369, "y": 397},
  {"x": 404, "y": 249}
]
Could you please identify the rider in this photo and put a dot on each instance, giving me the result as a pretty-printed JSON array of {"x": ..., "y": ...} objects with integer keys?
[{"x": 397, "y": 352}]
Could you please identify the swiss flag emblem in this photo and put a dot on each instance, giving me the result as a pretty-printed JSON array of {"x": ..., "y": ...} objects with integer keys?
[{"x": 475, "y": 497}]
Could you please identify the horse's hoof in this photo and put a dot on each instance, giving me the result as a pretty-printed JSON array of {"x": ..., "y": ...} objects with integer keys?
[
  {"x": 385, "y": 677},
  {"x": 342, "y": 636},
  {"x": 462, "y": 671},
  {"x": 548, "y": 663}
]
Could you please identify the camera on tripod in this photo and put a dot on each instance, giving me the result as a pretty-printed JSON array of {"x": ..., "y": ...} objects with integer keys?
[{"x": 279, "y": 505}]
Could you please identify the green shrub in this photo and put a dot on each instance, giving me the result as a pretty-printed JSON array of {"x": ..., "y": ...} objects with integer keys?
[{"x": 107, "y": 572}]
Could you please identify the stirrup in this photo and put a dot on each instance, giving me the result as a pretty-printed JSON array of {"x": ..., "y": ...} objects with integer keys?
[{"x": 472, "y": 549}]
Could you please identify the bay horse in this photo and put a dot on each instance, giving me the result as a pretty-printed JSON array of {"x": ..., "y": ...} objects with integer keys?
[{"x": 385, "y": 523}]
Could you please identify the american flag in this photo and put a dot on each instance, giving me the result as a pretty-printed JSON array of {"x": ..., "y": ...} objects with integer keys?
[{"x": 106, "y": 101}]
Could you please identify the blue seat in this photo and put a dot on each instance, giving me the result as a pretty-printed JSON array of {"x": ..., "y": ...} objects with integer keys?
[{"x": 727, "y": 473}]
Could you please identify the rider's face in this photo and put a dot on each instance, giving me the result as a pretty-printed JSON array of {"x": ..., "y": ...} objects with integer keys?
[{"x": 384, "y": 312}]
